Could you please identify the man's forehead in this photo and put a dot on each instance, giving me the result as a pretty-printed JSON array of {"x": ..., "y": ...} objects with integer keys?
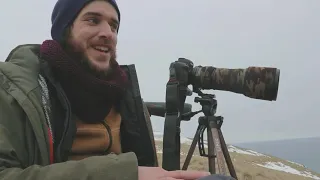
[{"x": 100, "y": 8}]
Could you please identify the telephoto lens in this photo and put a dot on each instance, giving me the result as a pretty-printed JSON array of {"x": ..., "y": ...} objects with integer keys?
[{"x": 254, "y": 82}]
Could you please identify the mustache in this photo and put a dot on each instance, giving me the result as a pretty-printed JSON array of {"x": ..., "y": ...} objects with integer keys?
[{"x": 108, "y": 43}]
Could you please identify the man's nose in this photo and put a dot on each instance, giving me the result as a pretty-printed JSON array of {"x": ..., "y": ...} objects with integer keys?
[{"x": 105, "y": 31}]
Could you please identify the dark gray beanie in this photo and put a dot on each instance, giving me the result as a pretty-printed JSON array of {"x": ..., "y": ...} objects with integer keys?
[{"x": 64, "y": 13}]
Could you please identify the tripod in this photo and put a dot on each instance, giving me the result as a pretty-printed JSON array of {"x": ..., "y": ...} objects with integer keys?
[{"x": 217, "y": 147}]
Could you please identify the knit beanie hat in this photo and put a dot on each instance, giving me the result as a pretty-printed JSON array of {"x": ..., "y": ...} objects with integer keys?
[{"x": 64, "y": 13}]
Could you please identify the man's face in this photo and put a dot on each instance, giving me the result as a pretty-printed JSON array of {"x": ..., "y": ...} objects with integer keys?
[{"x": 93, "y": 36}]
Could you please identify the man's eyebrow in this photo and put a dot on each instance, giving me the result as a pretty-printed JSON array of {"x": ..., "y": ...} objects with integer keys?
[
  {"x": 92, "y": 14},
  {"x": 114, "y": 20}
]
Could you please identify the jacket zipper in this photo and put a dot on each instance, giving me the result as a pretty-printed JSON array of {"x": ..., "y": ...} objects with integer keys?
[
  {"x": 47, "y": 111},
  {"x": 64, "y": 101},
  {"x": 66, "y": 123}
]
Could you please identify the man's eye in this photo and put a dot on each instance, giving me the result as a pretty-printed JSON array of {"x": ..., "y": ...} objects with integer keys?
[
  {"x": 114, "y": 26},
  {"x": 93, "y": 20}
]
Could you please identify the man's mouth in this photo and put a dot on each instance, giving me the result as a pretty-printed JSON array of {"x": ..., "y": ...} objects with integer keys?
[{"x": 102, "y": 49}]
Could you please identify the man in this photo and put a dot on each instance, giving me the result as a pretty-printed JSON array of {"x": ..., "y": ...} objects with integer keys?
[{"x": 69, "y": 111}]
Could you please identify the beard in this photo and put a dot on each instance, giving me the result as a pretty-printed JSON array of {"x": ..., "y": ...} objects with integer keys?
[{"x": 78, "y": 52}]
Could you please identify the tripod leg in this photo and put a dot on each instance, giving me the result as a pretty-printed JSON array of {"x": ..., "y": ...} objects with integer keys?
[
  {"x": 217, "y": 145},
  {"x": 211, "y": 153},
  {"x": 227, "y": 155},
  {"x": 191, "y": 150}
]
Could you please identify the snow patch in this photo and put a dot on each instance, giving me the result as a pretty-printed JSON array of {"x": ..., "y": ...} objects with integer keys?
[
  {"x": 247, "y": 152},
  {"x": 296, "y": 164},
  {"x": 278, "y": 166}
]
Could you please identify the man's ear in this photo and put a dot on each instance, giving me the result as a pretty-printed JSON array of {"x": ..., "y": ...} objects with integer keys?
[
  {"x": 67, "y": 32},
  {"x": 66, "y": 35}
]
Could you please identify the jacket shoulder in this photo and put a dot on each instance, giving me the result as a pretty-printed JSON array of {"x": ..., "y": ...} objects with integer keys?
[{"x": 22, "y": 67}]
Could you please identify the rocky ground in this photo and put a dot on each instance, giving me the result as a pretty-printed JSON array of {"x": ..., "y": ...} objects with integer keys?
[{"x": 249, "y": 165}]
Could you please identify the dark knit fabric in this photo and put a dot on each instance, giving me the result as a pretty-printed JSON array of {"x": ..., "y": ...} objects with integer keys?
[
  {"x": 91, "y": 97},
  {"x": 64, "y": 13}
]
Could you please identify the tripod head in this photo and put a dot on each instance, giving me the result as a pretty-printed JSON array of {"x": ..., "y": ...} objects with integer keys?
[{"x": 208, "y": 103}]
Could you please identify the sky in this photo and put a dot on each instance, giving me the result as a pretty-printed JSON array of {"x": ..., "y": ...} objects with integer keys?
[{"x": 225, "y": 34}]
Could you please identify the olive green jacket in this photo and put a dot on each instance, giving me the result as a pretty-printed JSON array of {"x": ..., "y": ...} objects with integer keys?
[{"x": 24, "y": 141}]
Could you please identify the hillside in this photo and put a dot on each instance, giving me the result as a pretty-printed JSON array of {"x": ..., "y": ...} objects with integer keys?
[
  {"x": 248, "y": 164},
  {"x": 302, "y": 150}
]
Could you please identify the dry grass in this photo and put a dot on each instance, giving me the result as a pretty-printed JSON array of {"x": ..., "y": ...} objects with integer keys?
[{"x": 245, "y": 165}]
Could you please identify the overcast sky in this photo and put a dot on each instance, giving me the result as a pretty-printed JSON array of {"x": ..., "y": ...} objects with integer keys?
[{"x": 232, "y": 34}]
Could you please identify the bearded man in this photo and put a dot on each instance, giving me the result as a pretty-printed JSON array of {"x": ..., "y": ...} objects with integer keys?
[{"x": 68, "y": 110}]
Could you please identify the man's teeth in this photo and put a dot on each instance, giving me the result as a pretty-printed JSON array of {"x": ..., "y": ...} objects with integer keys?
[{"x": 101, "y": 48}]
